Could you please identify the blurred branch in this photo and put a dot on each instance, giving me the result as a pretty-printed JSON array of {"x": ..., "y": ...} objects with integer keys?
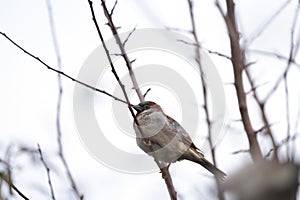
[
  {"x": 277, "y": 83},
  {"x": 148, "y": 90},
  {"x": 204, "y": 89},
  {"x": 255, "y": 87},
  {"x": 241, "y": 151},
  {"x": 60, "y": 72},
  {"x": 238, "y": 63},
  {"x": 264, "y": 180},
  {"x": 261, "y": 105},
  {"x": 255, "y": 34},
  {"x": 280, "y": 144},
  {"x": 273, "y": 54},
  {"x": 8, "y": 166},
  {"x": 218, "y": 54},
  {"x": 58, "y": 112},
  {"x": 294, "y": 48},
  {"x": 199, "y": 46},
  {"x": 177, "y": 29},
  {"x": 262, "y": 129},
  {"x": 296, "y": 133},
  {"x": 11, "y": 185},
  {"x": 291, "y": 59},
  {"x": 164, "y": 170},
  {"x": 48, "y": 172},
  {"x": 287, "y": 107}
]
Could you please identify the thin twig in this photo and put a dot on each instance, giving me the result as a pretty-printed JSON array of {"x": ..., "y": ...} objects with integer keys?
[
  {"x": 188, "y": 43},
  {"x": 58, "y": 105},
  {"x": 11, "y": 185},
  {"x": 8, "y": 166},
  {"x": 294, "y": 47},
  {"x": 204, "y": 90},
  {"x": 177, "y": 29},
  {"x": 290, "y": 60},
  {"x": 280, "y": 144},
  {"x": 48, "y": 172},
  {"x": 217, "y": 53},
  {"x": 287, "y": 107},
  {"x": 277, "y": 83},
  {"x": 209, "y": 51},
  {"x": 263, "y": 128},
  {"x": 113, "y": 8},
  {"x": 283, "y": 77},
  {"x": 297, "y": 122},
  {"x": 147, "y": 92},
  {"x": 130, "y": 33},
  {"x": 262, "y": 27},
  {"x": 268, "y": 153},
  {"x": 241, "y": 151},
  {"x": 262, "y": 112},
  {"x": 255, "y": 87},
  {"x": 273, "y": 54},
  {"x": 61, "y": 72}
]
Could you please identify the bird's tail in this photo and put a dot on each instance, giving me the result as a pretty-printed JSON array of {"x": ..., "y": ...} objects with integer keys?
[
  {"x": 199, "y": 158},
  {"x": 213, "y": 169}
]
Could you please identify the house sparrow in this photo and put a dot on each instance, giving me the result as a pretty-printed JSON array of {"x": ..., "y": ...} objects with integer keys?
[{"x": 165, "y": 138}]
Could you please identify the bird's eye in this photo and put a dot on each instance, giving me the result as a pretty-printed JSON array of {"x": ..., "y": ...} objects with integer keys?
[{"x": 146, "y": 106}]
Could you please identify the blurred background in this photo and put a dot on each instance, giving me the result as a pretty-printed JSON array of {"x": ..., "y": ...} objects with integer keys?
[{"x": 269, "y": 32}]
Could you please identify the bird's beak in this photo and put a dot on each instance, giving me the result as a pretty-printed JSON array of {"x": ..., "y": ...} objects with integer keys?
[{"x": 138, "y": 108}]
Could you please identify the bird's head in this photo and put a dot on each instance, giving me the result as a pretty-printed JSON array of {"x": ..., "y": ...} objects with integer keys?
[{"x": 147, "y": 106}]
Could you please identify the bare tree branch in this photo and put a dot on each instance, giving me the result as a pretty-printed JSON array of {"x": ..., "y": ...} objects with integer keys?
[
  {"x": 177, "y": 29},
  {"x": 218, "y": 53},
  {"x": 113, "y": 8},
  {"x": 277, "y": 83},
  {"x": 262, "y": 112},
  {"x": 273, "y": 54},
  {"x": 287, "y": 107},
  {"x": 297, "y": 122},
  {"x": 48, "y": 172},
  {"x": 122, "y": 48},
  {"x": 60, "y": 72},
  {"x": 131, "y": 32},
  {"x": 281, "y": 144},
  {"x": 58, "y": 109},
  {"x": 11, "y": 185},
  {"x": 291, "y": 59},
  {"x": 294, "y": 47},
  {"x": 241, "y": 151},
  {"x": 262, "y": 129},
  {"x": 147, "y": 92},
  {"x": 238, "y": 63},
  {"x": 164, "y": 170},
  {"x": 283, "y": 77},
  {"x": 255, "y": 87},
  {"x": 255, "y": 34},
  {"x": 200, "y": 46},
  {"x": 204, "y": 90},
  {"x": 8, "y": 166}
]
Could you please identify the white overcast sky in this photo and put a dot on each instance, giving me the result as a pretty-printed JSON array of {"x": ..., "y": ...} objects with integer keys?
[{"x": 29, "y": 90}]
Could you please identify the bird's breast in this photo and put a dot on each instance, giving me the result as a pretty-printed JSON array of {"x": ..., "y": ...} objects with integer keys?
[{"x": 151, "y": 123}]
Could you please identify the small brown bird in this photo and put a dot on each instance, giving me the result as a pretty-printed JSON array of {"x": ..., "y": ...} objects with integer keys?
[{"x": 165, "y": 138}]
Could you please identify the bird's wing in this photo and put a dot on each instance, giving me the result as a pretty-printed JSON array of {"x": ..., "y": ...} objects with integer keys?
[{"x": 177, "y": 128}]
